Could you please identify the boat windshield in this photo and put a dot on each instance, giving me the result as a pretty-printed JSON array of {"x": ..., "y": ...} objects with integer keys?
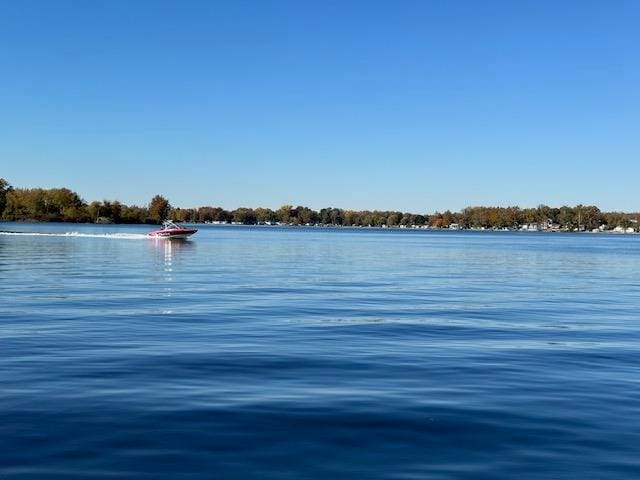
[{"x": 169, "y": 224}]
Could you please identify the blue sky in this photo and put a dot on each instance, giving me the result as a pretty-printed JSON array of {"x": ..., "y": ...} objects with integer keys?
[{"x": 410, "y": 105}]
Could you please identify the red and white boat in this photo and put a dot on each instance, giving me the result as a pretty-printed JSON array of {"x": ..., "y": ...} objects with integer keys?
[{"x": 171, "y": 230}]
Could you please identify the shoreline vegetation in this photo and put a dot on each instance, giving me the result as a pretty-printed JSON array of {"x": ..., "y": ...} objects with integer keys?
[{"x": 65, "y": 205}]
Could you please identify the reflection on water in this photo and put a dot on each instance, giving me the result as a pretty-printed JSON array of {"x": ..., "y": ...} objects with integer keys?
[
  {"x": 168, "y": 269},
  {"x": 167, "y": 252}
]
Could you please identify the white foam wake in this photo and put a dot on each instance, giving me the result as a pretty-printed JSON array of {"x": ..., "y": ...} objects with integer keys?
[{"x": 120, "y": 236}]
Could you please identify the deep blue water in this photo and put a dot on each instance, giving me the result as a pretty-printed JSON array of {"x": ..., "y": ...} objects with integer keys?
[{"x": 281, "y": 353}]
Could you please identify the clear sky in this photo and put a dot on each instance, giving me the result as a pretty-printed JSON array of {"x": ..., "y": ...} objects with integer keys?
[{"x": 410, "y": 105}]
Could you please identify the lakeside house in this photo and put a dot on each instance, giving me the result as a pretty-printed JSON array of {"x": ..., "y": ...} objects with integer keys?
[
  {"x": 620, "y": 229},
  {"x": 531, "y": 227}
]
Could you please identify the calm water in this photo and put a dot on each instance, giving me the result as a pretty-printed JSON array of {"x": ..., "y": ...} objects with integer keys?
[{"x": 279, "y": 353}]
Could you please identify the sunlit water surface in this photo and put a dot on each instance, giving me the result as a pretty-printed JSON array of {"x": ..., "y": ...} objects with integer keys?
[{"x": 282, "y": 353}]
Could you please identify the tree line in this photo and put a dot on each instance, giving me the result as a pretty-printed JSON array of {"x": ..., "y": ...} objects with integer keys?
[
  {"x": 580, "y": 217},
  {"x": 64, "y": 205}
]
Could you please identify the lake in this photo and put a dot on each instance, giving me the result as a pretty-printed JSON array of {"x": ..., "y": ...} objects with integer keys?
[{"x": 318, "y": 353}]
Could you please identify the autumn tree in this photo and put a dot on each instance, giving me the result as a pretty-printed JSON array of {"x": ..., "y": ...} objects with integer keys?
[
  {"x": 447, "y": 219},
  {"x": 349, "y": 218},
  {"x": 159, "y": 208}
]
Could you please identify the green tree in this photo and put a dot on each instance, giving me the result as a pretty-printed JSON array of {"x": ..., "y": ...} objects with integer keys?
[
  {"x": 4, "y": 189},
  {"x": 284, "y": 213},
  {"x": 306, "y": 216},
  {"x": 336, "y": 216},
  {"x": 205, "y": 214},
  {"x": 222, "y": 215},
  {"x": 393, "y": 219},
  {"x": 325, "y": 216},
  {"x": 591, "y": 217},
  {"x": 134, "y": 214},
  {"x": 624, "y": 223},
  {"x": 116, "y": 211},
  {"x": 16, "y": 205},
  {"x": 246, "y": 216},
  {"x": 264, "y": 215},
  {"x": 567, "y": 217},
  {"x": 159, "y": 209},
  {"x": 419, "y": 220}
]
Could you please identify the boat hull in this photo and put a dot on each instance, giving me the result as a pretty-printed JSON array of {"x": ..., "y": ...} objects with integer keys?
[{"x": 173, "y": 233}]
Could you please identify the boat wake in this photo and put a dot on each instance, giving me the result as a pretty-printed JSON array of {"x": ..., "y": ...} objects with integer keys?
[{"x": 118, "y": 236}]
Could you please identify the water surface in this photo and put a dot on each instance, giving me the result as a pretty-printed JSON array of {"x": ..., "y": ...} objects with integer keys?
[{"x": 307, "y": 353}]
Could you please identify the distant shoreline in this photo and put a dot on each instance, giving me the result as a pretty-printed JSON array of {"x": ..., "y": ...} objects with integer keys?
[
  {"x": 350, "y": 227},
  {"x": 65, "y": 205}
]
